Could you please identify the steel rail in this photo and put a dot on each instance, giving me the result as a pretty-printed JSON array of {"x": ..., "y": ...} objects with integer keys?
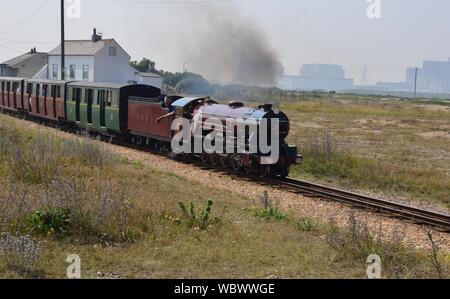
[{"x": 398, "y": 210}]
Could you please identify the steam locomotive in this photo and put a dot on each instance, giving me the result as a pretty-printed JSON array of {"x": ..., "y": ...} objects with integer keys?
[{"x": 132, "y": 113}]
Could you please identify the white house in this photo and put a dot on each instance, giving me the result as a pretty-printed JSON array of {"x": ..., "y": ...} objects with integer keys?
[{"x": 97, "y": 60}]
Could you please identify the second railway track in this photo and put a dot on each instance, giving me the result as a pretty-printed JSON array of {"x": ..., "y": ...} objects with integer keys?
[{"x": 416, "y": 215}]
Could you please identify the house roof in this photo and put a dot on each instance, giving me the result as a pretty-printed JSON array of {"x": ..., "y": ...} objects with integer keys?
[
  {"x": 149, "y": 75},
  {"x": 81, "y": 47},
  {"x": 98, "y": 84},
  {"x": 20, "y": 59}
]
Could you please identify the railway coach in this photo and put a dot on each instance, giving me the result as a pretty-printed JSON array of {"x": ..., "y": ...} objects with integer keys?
[
  {"x": 133, "y": 113},
  {"x": 11, "y": 93},
  {"x": 103, "y": 107}
]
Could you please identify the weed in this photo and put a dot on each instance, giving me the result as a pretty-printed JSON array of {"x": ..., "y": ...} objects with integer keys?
[
  {"x": 272, "y": 213},
  {"x": 203, "y": 221},
  {"x": 306, "y": 224},
  {"x": 269, "y": 208},
  {"x": 52, "y": 221},
  {"x": 356, "y": 242}
]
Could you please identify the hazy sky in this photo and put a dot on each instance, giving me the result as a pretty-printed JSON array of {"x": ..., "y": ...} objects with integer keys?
[{"x": 300, "y": 31}]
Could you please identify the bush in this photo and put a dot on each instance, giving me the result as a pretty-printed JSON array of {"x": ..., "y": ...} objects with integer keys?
[
  {"x": 52, "y": 221},
  {"x": 269, "y": 209},
  {"x": 306, "y": 224},
  {"x": 356, "y": 242},
  {"x": 85, "y": 151},
  {"x": 19, "y": 252},
  {"x": 272, "y": 213},
  {"x": 203, "y": 221},
  {"x": 38, "y": 161}
]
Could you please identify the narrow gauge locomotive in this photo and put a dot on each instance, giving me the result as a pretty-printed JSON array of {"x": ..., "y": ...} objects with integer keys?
[{"x": 131, "y": 112}]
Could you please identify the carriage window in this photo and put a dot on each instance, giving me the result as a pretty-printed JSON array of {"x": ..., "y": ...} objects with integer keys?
[
  {"x": 8, "y": 86},
  {"x": 52, "y": 91},
  {"x": 109, "y": 98},
  {"x": 58, "y": 91},
  {"x": 15, "y": 87},
  {"x": 44, "y": 89},
  {"x": 3, "y": 86},
  {"x": 114, "y": 100},
  {"x": 100, "y": 96},
  {"x": 87, "y": 95},
  {"x": 88, "y": 98},
  {"x": 29, "y": 88},
  {"x": 76, "y": 94}
]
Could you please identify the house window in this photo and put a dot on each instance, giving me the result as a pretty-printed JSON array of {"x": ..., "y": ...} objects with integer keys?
[
  {"x": 72, "y": 71},
  {"x": 55, "y": 71},
  {"x": 85, "y": 71},
  {"x": 112, "y": 51}
]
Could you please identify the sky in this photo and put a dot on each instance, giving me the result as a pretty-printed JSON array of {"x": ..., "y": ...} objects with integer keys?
[{"x": 299, "y": 31}]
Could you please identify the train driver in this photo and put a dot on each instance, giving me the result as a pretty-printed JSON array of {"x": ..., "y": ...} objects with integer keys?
[{"x": 168, "y": 104}]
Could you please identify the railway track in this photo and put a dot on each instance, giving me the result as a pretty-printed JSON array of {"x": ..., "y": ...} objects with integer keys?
[
  {"x": 401, "y": 211},
  {"x": 412, "y": 214}
]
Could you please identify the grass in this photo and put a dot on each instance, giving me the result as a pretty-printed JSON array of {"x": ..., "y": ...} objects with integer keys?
[
  {"x": 383, "y": 146},
  {"x": 128, "y": 220}
]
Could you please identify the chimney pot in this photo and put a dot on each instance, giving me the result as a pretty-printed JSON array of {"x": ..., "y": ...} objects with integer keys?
[{"x": 96, "y": 37}]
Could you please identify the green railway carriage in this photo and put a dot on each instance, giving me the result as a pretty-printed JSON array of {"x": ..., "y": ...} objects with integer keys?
[{"x": 103, "y": 107}]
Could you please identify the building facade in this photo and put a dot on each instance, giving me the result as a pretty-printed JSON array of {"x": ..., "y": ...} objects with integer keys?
[
  {"x": 24, "y": 66},
  {"x": 96, "y": 60},
  {"x": 433, "y": 77},
  {"x": 325, "y": 77}
]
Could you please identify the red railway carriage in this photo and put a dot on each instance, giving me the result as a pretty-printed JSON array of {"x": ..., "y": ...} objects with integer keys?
[
  {"x": 143, "y": 114},
  {"x": 11, "y": 93},
  {"x": 45, "y": 98}
]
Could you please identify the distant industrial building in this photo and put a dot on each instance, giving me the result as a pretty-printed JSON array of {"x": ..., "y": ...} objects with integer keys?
[
  {"x": 25, "y": 65},
  {"x": 433, "y": 77},
  {"x": 325, "y": 77}
]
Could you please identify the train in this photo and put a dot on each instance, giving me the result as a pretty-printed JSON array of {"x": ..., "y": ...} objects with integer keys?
[{"x": 137, "y": 114}]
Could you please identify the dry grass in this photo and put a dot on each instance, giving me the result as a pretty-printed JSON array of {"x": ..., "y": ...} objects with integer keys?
[
  {"x": 383, "y": 146},
  {"x": 124, "y": 220}
]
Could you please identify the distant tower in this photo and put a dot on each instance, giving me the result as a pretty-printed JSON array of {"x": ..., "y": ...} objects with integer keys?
[
  {"x": 364, "y": 81},
  {"x": 184, "y": 67}
]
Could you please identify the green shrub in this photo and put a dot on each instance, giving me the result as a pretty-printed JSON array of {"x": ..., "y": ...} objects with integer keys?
[
  {"x": 306, "y": 224},
  {"x": 203, "y": 221},
  {"x": 53, "y": 221},
  {"x": 272, "y": 213}
]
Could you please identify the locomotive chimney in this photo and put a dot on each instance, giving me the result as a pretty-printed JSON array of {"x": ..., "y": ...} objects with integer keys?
[{"x": 96, "y": 37}]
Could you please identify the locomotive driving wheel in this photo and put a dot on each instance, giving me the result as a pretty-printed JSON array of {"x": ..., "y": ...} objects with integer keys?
[
  {"x": 204, "y": 157},
  {"x": 213, "y": 159},
  {"x": 223, "y": 161},
  {"x": 236, "y": 162},
  {"x": 265, "y": 171}
]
